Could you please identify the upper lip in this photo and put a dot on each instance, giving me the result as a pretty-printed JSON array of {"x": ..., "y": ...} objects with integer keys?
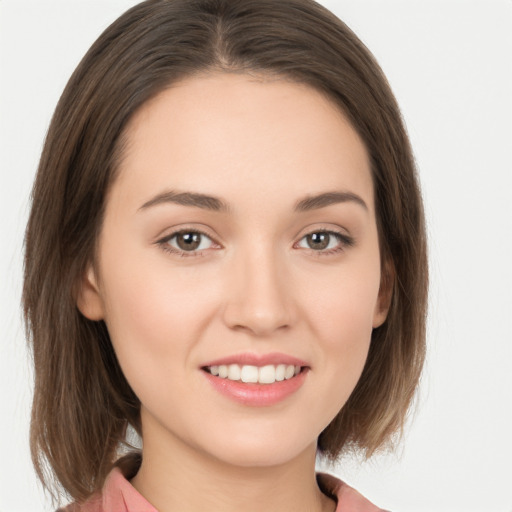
[{"x": 253, "y": 359}]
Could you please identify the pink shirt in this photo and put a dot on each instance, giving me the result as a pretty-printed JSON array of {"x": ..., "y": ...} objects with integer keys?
[{"x": 119, "y": 495}]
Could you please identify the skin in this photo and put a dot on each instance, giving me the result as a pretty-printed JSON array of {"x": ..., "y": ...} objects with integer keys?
[{"x": 257, "y": 286}]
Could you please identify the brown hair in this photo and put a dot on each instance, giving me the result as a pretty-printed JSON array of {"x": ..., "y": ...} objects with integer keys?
[{"x": 82, "y": 402}]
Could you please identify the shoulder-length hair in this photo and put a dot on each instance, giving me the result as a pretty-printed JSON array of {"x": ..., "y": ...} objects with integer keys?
[{"x": 82, "y": 402}]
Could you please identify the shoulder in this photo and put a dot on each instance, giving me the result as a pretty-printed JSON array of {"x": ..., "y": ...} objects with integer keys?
[
  {"x": 347, "y": 497},
  {"x": 117, "y": 495},
  {"x": 92, "y": 505}
]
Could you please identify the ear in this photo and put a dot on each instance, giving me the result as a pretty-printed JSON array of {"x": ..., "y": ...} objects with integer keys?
[
  {"x": 387, "y": 282},
  {"x": 88, "y": 297}
]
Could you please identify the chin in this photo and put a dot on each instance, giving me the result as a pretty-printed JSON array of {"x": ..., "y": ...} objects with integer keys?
[{"x": 262, "y": 451}]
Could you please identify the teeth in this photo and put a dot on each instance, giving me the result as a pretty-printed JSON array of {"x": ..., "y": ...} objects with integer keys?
[
  {"x": 290, "y": 370},
  {"x": 234, "y": 372},
  {"x": 249, "y": 374},
  {"x": 253, "y": 374},
  {"x": 267, "y": 374}
]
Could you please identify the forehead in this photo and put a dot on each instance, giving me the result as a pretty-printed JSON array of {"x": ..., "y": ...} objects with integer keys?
[{"x": 225, "y": 132}]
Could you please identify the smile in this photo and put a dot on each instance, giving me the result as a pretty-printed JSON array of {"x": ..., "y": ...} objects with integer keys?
[{"x": 268, "y": 374}]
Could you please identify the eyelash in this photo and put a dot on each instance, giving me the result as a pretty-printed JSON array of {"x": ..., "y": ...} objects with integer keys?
[{"x": 344, "y": 240}]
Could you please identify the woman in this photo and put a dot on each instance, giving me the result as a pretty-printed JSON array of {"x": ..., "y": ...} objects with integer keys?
[{"x": 226, "y": 252}]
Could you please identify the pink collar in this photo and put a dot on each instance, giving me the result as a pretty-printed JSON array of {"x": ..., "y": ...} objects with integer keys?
[{"x": 119, "y": 495}]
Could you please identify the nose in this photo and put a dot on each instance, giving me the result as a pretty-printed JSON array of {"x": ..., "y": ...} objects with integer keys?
[{"x": 259, "y": 295}]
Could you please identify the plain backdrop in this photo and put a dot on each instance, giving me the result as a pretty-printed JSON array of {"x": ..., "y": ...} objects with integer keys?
[{"x": 449, "y": 64}]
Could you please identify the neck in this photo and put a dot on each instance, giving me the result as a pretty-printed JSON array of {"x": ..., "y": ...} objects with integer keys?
[{"x": 175, "y": 476}]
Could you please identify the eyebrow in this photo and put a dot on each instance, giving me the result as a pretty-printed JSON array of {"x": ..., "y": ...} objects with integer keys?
[{"x": 206, "y": 202}]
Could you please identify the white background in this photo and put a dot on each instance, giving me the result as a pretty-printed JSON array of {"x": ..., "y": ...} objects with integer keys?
[{"x": 449, "y": 64}]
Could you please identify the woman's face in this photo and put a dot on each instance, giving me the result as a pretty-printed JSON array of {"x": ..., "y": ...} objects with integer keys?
[{"x": 239, "y": 238}]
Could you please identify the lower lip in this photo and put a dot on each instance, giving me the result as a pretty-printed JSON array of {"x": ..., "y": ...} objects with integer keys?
[{"x": 257, "y": 395}]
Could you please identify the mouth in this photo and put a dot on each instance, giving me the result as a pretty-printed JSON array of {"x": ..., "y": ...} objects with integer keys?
[
  {"x": 258, "y": 380},
  {"x": 251, "y": 374}
]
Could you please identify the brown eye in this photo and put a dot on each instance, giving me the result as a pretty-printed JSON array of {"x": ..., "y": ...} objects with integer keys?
[
  {"x": 326, "y": 242},
  {"x": 188, "y": 241},
  {"x": 191, "y": 242},
  {"x": 318, "y": 241}
]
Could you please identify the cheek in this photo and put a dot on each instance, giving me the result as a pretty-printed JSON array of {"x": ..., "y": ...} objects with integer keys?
[
  {"x": 341, "y": 315},
  {"x": 343, "y": 306},
  {"x": 152, "y": 316}
]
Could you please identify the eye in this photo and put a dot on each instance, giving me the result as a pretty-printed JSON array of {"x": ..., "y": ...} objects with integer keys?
[
  {"x": 186, "y": 242},
  {"x": 325, "y": 242},
  {"x": 191, "y": 242}
]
